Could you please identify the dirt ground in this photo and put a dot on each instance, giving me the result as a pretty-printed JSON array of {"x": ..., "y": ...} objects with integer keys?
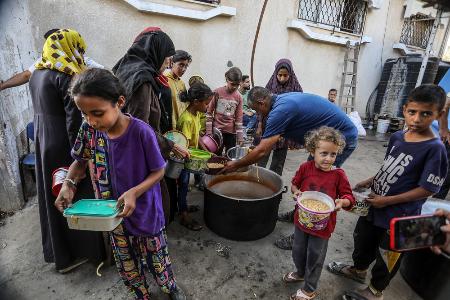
[{"x": 253, "y": 270}]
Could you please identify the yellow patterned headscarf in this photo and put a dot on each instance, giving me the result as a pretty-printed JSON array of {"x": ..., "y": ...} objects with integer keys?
[{"x": 63, "y": 51}]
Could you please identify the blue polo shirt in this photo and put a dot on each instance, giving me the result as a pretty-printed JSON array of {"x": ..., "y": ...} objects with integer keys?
[{"x": 294, "y": 114}]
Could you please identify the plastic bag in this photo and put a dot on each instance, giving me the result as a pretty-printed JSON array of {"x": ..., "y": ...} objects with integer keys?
[{"x": 356, "y": 119}]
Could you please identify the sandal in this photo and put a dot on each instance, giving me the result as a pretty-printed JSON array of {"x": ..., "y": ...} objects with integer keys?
[
  {"x": 287, "y": 217},
  {"x": 300, "y": 295},
  {"x": 292, "y": 277},
  {"x": 285, "y": 243},
  {"x": 347, "y": 271},
  {"x": 193, "y": 208},
  {"x": 192, "y": 224},
  {"x": 365, "y": 294}
]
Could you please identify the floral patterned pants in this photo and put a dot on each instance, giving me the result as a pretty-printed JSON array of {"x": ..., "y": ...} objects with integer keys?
[{"x": 131, "y": 251}]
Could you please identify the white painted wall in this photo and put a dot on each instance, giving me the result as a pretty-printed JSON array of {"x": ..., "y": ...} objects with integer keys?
[
  {"x": 109, "y": 27},
  {"x": 17, "y": 53}
]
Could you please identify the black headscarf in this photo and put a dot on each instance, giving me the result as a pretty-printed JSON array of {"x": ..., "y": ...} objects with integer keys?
[{"x": 143, "y": 60}]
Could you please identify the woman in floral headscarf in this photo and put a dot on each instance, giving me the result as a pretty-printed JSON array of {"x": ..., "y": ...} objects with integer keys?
[{"x": 56, "y": 124}]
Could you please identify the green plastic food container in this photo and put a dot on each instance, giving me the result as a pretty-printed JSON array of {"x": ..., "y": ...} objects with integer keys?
[
  {"x": 197, "y": 162},
  {"x": 93, "y": 215}
]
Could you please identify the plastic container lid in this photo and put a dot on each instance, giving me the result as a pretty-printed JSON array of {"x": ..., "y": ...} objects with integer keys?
[
  {"x": 93, "y": 208},
  {"x": 177, "y": 137}
]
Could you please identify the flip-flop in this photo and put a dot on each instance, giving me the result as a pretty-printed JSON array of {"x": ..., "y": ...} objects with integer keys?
[
  {"x": 192, "y": 225},
  {"x": 302, "y": 296},
  {"x": 290, "y": 277},
  {"x": 337, "y": 268},
  {"x": 285, "y": 243}
]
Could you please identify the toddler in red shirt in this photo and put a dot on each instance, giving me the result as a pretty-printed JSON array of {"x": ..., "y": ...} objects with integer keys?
[{"x": 309, "y": 246}]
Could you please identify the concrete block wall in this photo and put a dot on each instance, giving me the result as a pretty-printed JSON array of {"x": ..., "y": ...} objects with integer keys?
[{"x": 17, "y": 53}]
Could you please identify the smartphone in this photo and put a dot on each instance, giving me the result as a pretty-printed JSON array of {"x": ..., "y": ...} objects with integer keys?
[{"x": 409, "y": 233}]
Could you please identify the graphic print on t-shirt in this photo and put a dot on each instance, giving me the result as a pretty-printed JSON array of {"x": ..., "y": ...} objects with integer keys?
[
  {"x": 226, "y": 107},
  {"x": 392, "y": 169}
]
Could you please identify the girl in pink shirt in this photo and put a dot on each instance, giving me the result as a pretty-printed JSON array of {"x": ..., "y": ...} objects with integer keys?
[{"x": 225, "y": 111}]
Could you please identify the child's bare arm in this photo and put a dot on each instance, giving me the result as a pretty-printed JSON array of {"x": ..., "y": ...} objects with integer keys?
[
  {"x": 295, "y": 191},
  {"x": 77, "y": 171},
  {"x": 129, "y": 197},
  {"x": 412, "y": 195},
  {"x": 340, "y": 203},
  {"x": 365, "y": 184}
]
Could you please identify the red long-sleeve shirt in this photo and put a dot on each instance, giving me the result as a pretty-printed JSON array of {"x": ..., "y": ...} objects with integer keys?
[{"x": 334, "y": 183}]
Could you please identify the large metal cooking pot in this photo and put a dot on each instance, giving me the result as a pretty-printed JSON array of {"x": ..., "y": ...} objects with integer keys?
[{"x": 240, "y": 208}]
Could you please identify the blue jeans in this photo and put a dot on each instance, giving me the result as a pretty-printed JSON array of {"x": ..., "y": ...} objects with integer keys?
[
  {"x": 308, "y": 253},
  {"x": 183, "y": 184},
  {"x": 348, "y": 150},
  {"x": 350, "y": 146}
]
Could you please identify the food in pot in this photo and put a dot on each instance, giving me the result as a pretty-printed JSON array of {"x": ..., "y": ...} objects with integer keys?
[
  {"x": 215, "y": 165},
  {"x": 241, "y": 187},
  {"x": 315, "y": 205}
]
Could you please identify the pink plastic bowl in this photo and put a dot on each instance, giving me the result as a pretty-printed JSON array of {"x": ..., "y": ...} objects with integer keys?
[{"x": 208, "y": 143}]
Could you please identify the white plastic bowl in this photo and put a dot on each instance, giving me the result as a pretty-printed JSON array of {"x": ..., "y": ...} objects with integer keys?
[{"x": 312, "y": 219}]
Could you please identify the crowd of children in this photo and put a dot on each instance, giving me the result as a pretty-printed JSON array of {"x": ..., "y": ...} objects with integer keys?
[
  {"x": 127, "y": 163},
  {"x": 142, "y": 234}
]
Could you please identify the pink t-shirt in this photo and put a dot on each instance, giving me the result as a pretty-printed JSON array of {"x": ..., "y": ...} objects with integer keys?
[{"x": 226, "y": 111}]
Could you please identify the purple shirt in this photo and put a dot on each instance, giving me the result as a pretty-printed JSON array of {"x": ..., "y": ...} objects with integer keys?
[{"x": 127, "y": 161}]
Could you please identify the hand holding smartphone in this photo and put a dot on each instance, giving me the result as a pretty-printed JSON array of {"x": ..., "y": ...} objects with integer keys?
[
  {"x": 416, "y": 232},
  {"x": 445, "y": 249}
]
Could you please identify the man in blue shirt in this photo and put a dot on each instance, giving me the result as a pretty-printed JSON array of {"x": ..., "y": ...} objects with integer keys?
[{"x": 291, "y": 116}]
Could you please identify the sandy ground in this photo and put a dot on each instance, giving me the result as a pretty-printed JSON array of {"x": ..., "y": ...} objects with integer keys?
[{"x": 252, "y": 271}]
